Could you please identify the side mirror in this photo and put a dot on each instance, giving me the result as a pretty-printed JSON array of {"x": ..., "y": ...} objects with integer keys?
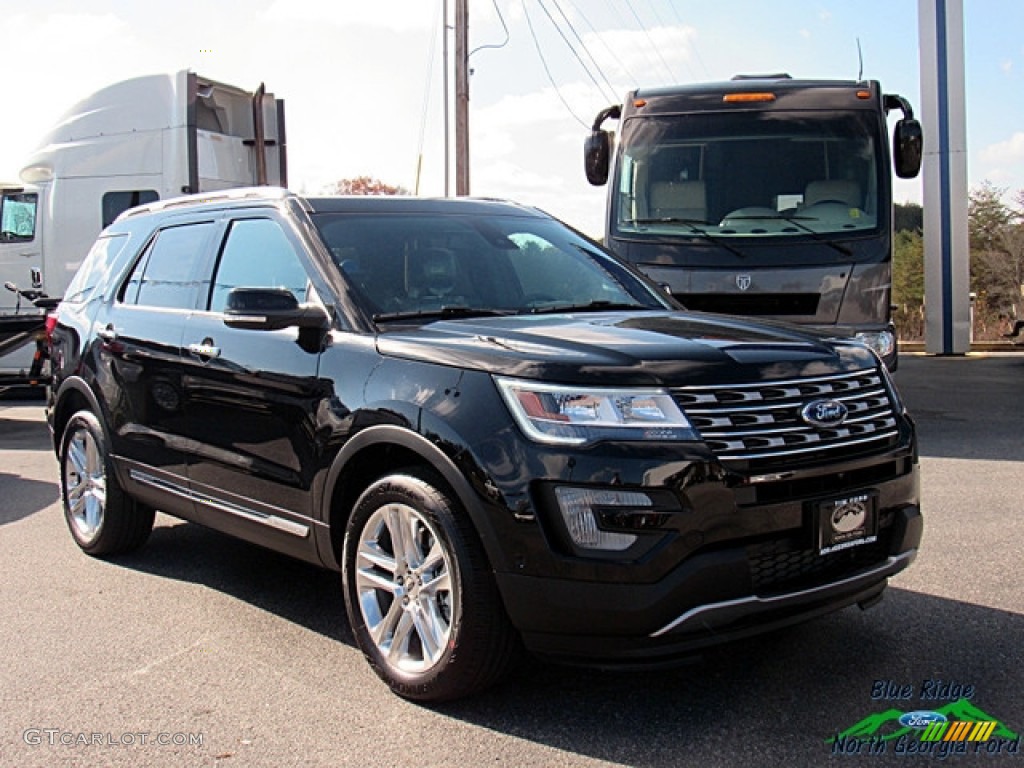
[
  {"x": 907, "y": 147},
  {"x": 271, "y": 309},
  {"x": 596, "y": 154}
]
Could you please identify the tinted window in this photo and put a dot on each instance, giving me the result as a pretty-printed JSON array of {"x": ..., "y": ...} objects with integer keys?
[
  {"x": 95, "y": 270},
  {"x": 165, "y": 276},
  {"x": 116, "y": 203},
  {"x": 257, "y": 254},
  {"x": 18, "y": 217},
  {"x": 424, "y": 262}
]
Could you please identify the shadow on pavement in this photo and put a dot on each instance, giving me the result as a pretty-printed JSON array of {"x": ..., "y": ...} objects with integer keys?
[
  {"x": 22, "y": 497},
  {"x": 772, "y": 700},
  {"x": 281, "y": 585}
]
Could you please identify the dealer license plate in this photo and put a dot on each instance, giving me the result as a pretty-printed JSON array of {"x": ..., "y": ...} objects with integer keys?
[{"x": 850, "y": 521}]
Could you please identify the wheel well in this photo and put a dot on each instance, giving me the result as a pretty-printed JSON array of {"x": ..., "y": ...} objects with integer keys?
[
  {"x": 361, "y": 470},
  {"x": 73, "y": 402}
]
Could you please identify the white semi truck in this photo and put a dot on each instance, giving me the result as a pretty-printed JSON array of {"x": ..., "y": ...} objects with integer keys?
[{"x": 133, "y": 142}]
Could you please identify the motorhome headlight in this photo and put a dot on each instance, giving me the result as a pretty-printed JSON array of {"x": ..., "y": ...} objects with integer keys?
[
  {"x": 882, "y": 342},
  {"x": 576, "y": 415}
]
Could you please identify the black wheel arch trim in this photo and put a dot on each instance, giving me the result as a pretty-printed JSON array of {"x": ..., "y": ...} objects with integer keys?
[
  {"x": 59, "y": 413},
  {"x": 432, "y": 455}
]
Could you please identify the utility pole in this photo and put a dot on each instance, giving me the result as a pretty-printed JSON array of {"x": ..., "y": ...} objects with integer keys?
[
  {"x": 461, "y": 97},
  {"x": 444, "y": 59}
]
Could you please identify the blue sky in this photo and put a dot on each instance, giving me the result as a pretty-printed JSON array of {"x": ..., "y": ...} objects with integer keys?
[{"x": 362, "y": 80}]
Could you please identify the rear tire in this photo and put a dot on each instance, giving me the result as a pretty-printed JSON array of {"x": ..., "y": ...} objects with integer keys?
[
  {"x": 420, "y": 594},
  {"x": 102, "y": 519}
]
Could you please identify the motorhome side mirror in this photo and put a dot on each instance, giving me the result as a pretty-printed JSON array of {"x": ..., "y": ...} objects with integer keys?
[
  {"x": 596, "y": 153},
  {"x": 270, "y": 309},
  {"x": 908, "y": 147}
]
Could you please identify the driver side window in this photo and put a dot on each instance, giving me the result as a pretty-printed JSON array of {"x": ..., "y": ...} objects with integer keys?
[{"x": 257, "y": 254}]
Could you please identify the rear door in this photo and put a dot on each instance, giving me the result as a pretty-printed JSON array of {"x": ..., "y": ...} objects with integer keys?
[
  {"x": 140, "y": 362},
  {"x": 252, "y": 396}
]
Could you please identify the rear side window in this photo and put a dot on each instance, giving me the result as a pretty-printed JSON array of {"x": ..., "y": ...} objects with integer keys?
[
  {"x": 166, "y": 275},
  {"x": 96, "y": 269}
]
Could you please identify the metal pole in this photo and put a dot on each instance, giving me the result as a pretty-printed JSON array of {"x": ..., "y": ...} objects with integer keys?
[
  {"x": 461, "y": 98},
  {"x": 444, "y": 57},
  {"x": 943, "y": 116}
]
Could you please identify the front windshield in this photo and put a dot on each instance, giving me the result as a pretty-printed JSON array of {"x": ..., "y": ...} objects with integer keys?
[
  {"x": 749, "y": 174},
  {"x": 409, "y": 265}
]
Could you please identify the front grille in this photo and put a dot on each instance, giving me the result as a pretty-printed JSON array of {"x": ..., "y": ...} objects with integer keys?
[
  {"x": 779, "y": 567},
  {"x": 762, "y": 421}
]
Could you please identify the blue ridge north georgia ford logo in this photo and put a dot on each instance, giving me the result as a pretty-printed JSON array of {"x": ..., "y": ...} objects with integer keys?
[{"x": 824, "y": 413}]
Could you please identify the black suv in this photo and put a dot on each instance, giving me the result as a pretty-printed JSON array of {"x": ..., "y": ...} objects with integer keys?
[{"x": 498, "y": 433}]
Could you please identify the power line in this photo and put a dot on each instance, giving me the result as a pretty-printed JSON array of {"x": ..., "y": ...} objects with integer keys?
[
  {"x": 693, "y": 43},
  {"x": 504, "y": 26},
  {"x": 426, "y": 101},
  {"x": 611, "y": 51},
  {"x": 663, "y": 25},
  {"x": 668, "y": 69},
  {"x": 586, "y": 50},
  {"x": 544, "y": 63}
]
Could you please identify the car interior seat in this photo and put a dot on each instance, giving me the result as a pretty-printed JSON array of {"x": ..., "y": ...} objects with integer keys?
[{"x": 678, "y": 200}]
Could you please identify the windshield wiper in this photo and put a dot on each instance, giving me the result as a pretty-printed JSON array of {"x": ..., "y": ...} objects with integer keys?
[
  {"x": 817, "y": 236},
  {"x": 450, "y": 311},
  {"x": 599, "y": 305},
  {"x": 691, "y": 224}
]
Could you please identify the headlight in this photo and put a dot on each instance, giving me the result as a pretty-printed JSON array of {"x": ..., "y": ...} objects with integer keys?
[
  {"x": 574, "y": 415},
  {"x": 882, "y": 342}
]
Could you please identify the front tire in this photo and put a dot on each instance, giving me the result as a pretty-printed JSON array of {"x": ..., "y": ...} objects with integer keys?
[
  {"x": 422, "y": 601},
  {"x": 102, "y": 519}
]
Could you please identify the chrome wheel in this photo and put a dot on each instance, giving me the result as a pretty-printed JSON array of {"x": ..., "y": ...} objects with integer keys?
[
  {"x": 103, "y": 520},
  {"x": 404, "y": 586},
  {"x": 85, "y": 484}
]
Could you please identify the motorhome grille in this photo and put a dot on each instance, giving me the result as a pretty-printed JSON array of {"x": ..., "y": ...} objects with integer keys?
[
  {"x": 762, "y": 421},
  {"x": 795, "y": 304}
]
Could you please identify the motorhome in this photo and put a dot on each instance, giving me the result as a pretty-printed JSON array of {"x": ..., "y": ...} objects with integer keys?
[{"x": 765, "y": 196}]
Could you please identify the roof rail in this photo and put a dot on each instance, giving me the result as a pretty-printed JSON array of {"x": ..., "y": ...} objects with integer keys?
[{"x": 215, "y": 196}]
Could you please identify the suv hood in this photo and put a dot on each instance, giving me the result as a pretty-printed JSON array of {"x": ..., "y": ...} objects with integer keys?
[{"x": 637, "y": 348}]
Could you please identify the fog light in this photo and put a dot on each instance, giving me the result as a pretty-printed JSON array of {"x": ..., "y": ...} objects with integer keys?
[{"x": 578, "y": 506}]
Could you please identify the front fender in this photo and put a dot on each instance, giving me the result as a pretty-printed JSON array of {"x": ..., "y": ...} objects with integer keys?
[{"x": 425, "y": 452}]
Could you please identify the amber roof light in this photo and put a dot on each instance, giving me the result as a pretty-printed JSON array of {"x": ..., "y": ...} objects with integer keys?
[{"x": 733, "y": 98}]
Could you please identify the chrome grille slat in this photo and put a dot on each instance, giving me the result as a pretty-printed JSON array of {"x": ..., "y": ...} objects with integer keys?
[{"x": 762, "y": 420}]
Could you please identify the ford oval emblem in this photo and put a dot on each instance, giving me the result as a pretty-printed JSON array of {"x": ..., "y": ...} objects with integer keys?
[
  {"x": 824, "y": 413},
  {"x": 922, "y": 718}
]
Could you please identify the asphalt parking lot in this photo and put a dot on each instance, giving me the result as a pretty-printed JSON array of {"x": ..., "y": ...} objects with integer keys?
[{"x": 200, "y": 650}]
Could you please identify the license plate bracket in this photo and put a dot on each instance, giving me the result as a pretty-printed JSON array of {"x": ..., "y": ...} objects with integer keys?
[{"x": 846, "y": 522}]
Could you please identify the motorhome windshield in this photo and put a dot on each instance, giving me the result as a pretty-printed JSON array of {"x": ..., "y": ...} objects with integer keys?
[{"x": 750, "y": 175}]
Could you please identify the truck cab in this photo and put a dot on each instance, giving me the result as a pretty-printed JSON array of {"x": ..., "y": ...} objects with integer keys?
[{"x": 131, "y": 143}]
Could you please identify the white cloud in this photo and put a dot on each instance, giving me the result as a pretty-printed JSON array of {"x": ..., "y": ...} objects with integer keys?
[
  {"x": 659, "y": 55},
  {"x": 398, "y": 15},
  {"x": 1010, "y": 150}
]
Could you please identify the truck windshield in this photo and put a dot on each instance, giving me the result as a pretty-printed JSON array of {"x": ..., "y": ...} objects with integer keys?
[{"x": 744, "y": 175}]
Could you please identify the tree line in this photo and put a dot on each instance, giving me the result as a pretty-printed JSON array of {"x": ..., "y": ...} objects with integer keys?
[{"x": 996, "y": 242}]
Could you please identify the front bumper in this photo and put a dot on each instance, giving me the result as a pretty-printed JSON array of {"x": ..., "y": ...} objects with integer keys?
[{"x": 710, "y": 599}]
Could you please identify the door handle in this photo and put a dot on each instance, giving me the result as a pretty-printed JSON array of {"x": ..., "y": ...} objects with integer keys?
[
  {"x": 107, "y": 334},
  {"x": 204, "y": 349}
]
